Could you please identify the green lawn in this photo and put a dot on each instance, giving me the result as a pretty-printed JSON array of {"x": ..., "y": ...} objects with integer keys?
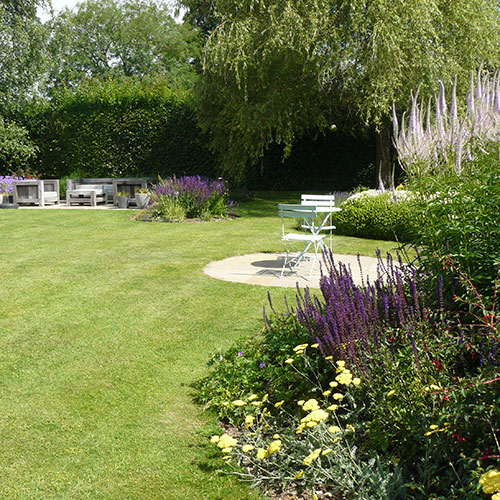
[{"x": 105, "y": 324}]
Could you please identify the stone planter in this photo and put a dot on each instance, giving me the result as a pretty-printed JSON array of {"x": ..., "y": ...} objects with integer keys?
[
  {"x": 142, "y": 200},
  {"x": 122, "y": 201}
]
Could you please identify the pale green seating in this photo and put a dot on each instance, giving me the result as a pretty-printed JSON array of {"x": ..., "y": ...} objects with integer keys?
[{"x": 306, "y": 216}]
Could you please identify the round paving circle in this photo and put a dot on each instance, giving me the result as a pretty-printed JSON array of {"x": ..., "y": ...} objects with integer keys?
[{"x": 265, "y": 269}]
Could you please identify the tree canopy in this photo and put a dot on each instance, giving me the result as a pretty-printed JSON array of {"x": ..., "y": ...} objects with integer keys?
[
  {"x": 22, "y": 52},
  {"x": 113, "y": 38},
  {"x": 277, "y": 68}
]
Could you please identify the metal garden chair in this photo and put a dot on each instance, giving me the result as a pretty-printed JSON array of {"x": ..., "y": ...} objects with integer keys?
[
  {"x": 304, "y": 215},
  {"x": 325, "y": 204}
]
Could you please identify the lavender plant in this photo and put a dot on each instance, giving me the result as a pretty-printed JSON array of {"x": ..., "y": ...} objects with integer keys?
[
  {"x": 351, "y": 321},
  {"x": 7, "y": 183},
  {"x": 194, "y": 196}
]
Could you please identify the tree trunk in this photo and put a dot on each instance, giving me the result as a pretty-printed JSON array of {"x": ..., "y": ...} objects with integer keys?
[{"x": 385, "y": 170}]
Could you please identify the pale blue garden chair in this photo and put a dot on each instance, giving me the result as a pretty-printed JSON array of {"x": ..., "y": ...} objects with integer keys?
[{"x": 304, "y": 215}]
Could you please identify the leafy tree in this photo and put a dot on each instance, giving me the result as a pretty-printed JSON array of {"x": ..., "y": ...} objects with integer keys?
[
  {"x": 200, "y": 14},
  {"x": 22, "y": 63},
  {"x": 111, "y": 38},
  {"x": 16, "y": 148},
  {"x": 277, "y": 68},
  {"x": 22, "y": 53}
]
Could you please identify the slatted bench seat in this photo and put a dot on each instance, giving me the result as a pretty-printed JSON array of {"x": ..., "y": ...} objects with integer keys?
[{"x": 87, "y": 193}]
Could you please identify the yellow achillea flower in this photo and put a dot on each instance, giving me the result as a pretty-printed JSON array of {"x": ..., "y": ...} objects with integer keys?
[
  {"x": 299, "y": 474},
  {"x": 252, "y": 397},
  {"x": 315, "y": 416},
  {"x": 490, "y": 481},
  {"x": 356, "y": 381},
  {"x": 337, "y": 395},
  {"x": 327, "y": 451},
  {"x": 433, "y": 426},
  {"x": 246, "y": 448},
  {"x": 289, "y": 361},
  {"x": 391, "y": 393},
  {"x": 340, "y": 364},
  {"x": 327, "y": 393},
  {"x": 276, "y": 436},
  {"x": 227, "y": 458},
  {"x": 239, "y": 402},
  {"x": 310, "y": 405},
  {"x": 334, "y": 429},
  {"x": 300, "y": 347},
  {"x": 249, "y": 420},
  {"x": 264, "y": 398},
  {"x": 274, "y": 446},
  {"x": 300, "y": 428},
  {"x": 312, "y": 423},
  {"x": 261, "y": 453},
  {"x": 328, "y": 358},
  {"x": 345, "y": 378},
  {"x": 496, "y": 496},
  {"x": 334, "y": 384},
  {"x": 214, "y": 439},
  {"x": 227, "y": 450},
  {"x": 332, "y": 407},
  {"x": 226, "y": 441},
  {"x": 279, "y": 403},
  {"x": 314, "y": 346},
  {"x": 312, "y": 457},
  {"x": 300, "y": 402}
]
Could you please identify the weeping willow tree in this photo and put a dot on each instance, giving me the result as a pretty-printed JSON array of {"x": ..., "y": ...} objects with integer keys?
[{"x": 275, "y": 69}]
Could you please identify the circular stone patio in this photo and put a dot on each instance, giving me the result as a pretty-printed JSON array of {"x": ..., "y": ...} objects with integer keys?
[{"x": 265, "y": 269}]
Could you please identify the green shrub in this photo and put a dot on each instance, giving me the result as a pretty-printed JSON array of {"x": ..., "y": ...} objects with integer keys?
[
  {"x": 460, "y": 216},
  {"x": 119, "y": 128},
  {"x": 376, "y": 216}
]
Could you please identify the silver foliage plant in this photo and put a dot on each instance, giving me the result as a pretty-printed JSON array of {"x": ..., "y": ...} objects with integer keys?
[{"x": 429, "y": 141}]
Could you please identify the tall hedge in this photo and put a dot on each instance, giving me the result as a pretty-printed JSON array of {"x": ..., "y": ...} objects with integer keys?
[
  {"x": 119, "y": 127},
  {"x": 131, "y": 127}
]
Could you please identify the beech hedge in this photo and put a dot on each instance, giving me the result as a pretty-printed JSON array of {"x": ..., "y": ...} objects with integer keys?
[{"x": 120, "y": 127}]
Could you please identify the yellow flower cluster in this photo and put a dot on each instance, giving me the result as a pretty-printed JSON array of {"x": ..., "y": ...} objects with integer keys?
[
  {"x": 435, "y": 428},
  {"x": 274, "y": 446},
  {"x": 490, "y": 481},
  {"x": 312, "y": 457},
  {"x": 226, "y": 443}
]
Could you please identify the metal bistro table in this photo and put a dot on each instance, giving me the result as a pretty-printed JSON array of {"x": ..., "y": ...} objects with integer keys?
[{"x": 328, "y": 210}]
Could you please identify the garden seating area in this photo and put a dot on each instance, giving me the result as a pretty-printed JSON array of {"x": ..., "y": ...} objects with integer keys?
[{"x": 89, "y": 191}]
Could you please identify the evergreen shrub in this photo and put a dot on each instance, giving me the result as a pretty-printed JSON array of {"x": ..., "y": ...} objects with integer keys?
[{"x": 376, "y": 215}]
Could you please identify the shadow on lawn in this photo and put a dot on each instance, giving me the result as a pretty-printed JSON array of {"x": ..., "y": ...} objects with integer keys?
[{"x": 265, "y": 204}]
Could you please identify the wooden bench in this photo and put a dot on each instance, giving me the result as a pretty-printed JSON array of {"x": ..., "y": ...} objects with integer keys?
[
  {"x": 81, "y": 190},
  {"x": 36, "y": 192},
  {"x": 91, "y": 191}
]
